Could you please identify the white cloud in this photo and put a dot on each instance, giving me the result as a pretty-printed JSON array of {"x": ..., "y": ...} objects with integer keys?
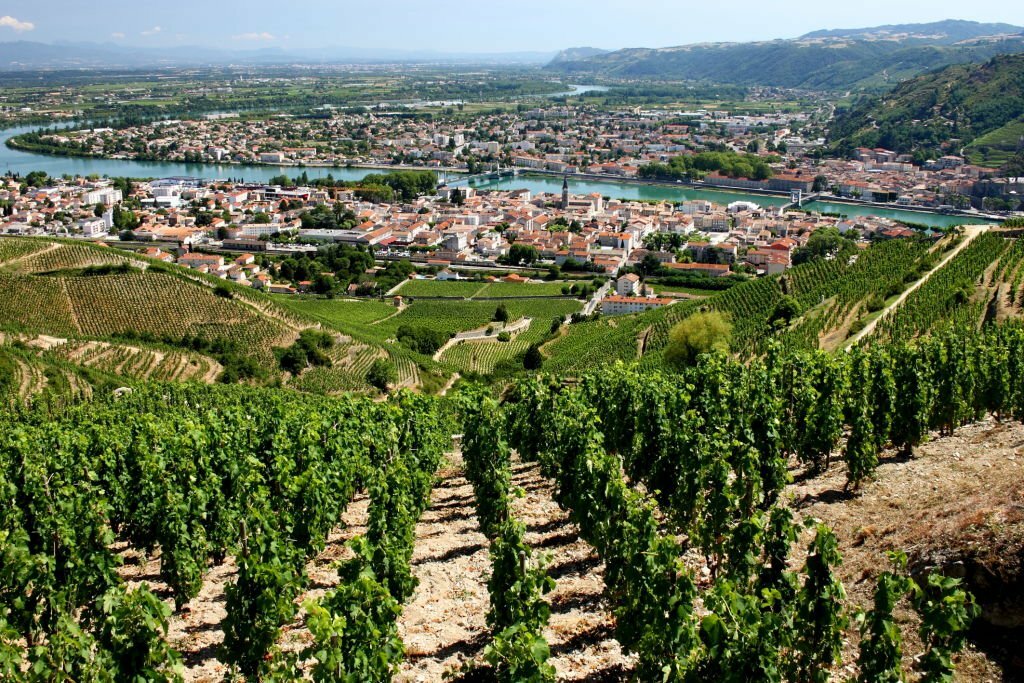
[
  {"x": 12, "y": 23},
  {"x": 153, "y": 31},
  {"x": 117, "y": 35},
  {"x": 254, "y": 36}
]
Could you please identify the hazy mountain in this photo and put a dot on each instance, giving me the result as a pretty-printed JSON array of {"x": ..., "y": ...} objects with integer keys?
[
  {"x": 940, "y": 32},
  {"x": 575, "y": 53},
  {"x": 828, "y": 60},
  {"x": 28, "y": 55}
]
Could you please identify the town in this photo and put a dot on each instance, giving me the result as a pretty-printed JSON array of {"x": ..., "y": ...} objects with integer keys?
[
  {"x": 630, "y": 144},
  {"x": 448, "y": 234}
]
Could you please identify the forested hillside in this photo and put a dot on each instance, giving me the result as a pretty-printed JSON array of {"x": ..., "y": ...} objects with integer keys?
[{"x": 977, "y": 107}]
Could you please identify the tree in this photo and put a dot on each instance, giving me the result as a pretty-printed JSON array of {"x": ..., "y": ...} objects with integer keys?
[
  {"x": 533, "y": 360},
  {"x": 519, "y": 254},
  {"x": 501, "y": 314},
  {"x": 820, "y": 184},
  {"x": 382, "y": 374},
  {"x": 650, "y": 265},
  {"x": 784, "y": 311},
  {"x": 457, "y": 197},
  {"x": 700, "y": 333},
  {"x": 823, "y": 242}
]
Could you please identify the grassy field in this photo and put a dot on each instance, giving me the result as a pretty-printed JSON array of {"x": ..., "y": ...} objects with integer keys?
[{"x": 659, "y": 288}]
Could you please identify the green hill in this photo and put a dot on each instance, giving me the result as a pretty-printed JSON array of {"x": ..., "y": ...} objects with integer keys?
[
  {"x": 978, "y": 106},
  {"x": 839, "y": 62}
]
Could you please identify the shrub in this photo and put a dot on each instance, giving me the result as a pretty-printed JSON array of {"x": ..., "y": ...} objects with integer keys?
[
  {"x": 382, "y": 374},
  {"x": 700, "y": 333}
]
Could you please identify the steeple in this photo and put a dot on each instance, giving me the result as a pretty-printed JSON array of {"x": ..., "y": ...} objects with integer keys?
[{"x": 565, "y": 192}]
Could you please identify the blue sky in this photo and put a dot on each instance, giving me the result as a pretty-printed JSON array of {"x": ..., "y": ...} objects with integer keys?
[{"x": 463, "y": 26}]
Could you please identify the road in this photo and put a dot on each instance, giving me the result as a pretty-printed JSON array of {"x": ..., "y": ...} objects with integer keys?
[
  {"x": 970, "y": 233},
  {"x": 598, "y": 295}
]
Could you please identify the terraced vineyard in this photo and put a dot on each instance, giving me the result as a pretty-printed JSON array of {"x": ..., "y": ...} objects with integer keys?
[
  {"x": 484, "y": 356},
  {"x": 452, "y": 288},
  {"x": 585, "y": 346},
  {"x": 338, "y": 312},
  {"x": 12, "y": 248},
  {"x": 948, "y": 295},
  {"x": 28, "y": 376},
  {"x": 71, "y": 257},
  {"x": 138, "y": 362},
  {"x": 164, "y": 302},
  {"x": 160, "y": 305},
  {"x": 36, "y": 303}
]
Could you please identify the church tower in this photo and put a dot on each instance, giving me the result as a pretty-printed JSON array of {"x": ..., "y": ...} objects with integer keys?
[{"x": 565, "y": 193}]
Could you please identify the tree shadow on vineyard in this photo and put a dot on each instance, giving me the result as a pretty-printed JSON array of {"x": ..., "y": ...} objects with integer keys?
[
  {"x": 460, "y": 551},
  {"x": 546, "y": 527},
  {"x": 557, "y": 541},
  {"x": 453, "y": 502},
  {"x": 564, "y": 604},
  {"x": 203, "y": 627},
  {"x": 447, "y": 484},
  {"x": 614, "y": 673},
  {"x": 828, "y": 497},
  {"x": 453, "y": 516},
  {"x": 585, "y": 638},
  {"x": 467, "y": 647},
  {"x": 196, "y": 658},
  {"x": 581, "y": 566}
]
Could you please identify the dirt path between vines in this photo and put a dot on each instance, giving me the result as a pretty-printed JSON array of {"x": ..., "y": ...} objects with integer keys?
[{"x": 444, "y": 625}]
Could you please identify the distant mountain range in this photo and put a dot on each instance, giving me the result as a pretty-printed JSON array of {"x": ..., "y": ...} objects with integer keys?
[
  {"x": 28, "y": 55},
  {"x": 835, "y": 59},
  {"x": 941, "y": 32}
]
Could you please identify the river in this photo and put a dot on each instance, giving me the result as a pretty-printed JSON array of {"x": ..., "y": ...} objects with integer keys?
[
  {"x": 553, "y": 184},
  {"x": 25, "y": 162}
]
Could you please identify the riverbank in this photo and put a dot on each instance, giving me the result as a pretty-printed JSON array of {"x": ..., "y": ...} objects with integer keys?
[
  {"x": 821, "y": 197},
  {"x": 21, "y": 161},
  {"x": 57, "y": 151}
]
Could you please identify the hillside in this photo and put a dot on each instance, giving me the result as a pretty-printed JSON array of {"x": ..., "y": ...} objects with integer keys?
[
  {"x": 132, "y": 317},
  {"x": 942, "y": 32},
  {"x": 980, "y": 106},
  {"x": 862, "y": 59}
]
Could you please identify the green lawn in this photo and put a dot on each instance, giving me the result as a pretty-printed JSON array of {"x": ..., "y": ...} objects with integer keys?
[{"x": 692, "y": 291}]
